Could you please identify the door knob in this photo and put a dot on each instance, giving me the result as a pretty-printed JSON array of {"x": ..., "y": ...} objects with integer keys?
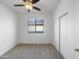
[{"x": 77, "y": 50}]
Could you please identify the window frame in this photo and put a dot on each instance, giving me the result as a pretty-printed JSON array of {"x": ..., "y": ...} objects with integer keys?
[{"x": 35, "y": 26}]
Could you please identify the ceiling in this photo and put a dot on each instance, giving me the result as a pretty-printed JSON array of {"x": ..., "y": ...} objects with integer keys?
[{"x": 47, "y": 6}]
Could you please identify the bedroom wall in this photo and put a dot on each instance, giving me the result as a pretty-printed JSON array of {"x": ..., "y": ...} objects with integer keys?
[
  {"x": 35, "y": 38},
  {"x": 8, "y": 29}
]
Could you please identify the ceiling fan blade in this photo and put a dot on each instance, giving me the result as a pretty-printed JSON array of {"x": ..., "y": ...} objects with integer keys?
[
  {"x": 19, "y": 5},
  {"x": 34, "y": 1},
  {"x": 37, "y": 8},
  {"x": 24, "y": 0}
]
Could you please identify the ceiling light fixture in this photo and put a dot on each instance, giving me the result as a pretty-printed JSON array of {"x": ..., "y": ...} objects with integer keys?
[{"x": 29, "y": 5}]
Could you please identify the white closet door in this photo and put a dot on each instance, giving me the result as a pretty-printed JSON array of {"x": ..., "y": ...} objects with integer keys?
[
  {"x": 64, "y": 42},
  {"x": 62, "y": 36}
]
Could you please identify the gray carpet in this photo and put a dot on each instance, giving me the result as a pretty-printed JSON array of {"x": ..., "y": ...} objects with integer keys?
[{"x": 23, "y": 51}]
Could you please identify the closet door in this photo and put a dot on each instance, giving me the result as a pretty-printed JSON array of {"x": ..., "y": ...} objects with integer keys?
[{"x": 64, "y": 36}]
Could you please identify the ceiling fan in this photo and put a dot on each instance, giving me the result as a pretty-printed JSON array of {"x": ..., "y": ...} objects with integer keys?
[{"x": 29, "y": 4}]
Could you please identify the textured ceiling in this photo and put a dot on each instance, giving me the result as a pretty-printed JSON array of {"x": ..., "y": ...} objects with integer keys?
[{"x": 47, "y": 6}]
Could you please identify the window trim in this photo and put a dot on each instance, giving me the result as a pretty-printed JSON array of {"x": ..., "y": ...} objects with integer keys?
[{"x": 35, "y": 27}]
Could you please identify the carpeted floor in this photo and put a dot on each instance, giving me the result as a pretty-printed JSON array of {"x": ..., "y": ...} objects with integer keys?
[{"x": 30, "y": 51}]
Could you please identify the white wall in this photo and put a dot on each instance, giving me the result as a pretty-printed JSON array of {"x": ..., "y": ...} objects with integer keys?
[
  {"x": 68, "y": 30},
  {"x": 8, "y": 30},
  {"x": 34, "y": 38}
]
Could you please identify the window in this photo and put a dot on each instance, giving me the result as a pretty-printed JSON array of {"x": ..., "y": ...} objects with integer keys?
[{"x": 35, "y": 25}]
